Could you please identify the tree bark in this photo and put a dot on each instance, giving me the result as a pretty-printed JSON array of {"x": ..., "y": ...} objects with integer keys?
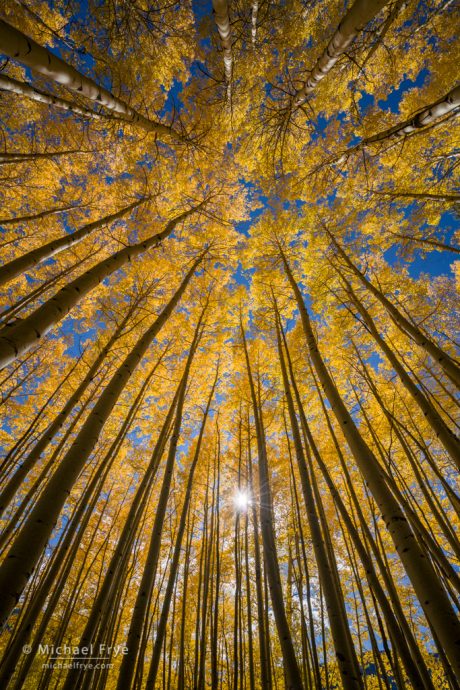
[
  {"x": 223, "y": 26},
  {"x": 161, "y": 627},
  {"x": 292, "y": 671},
  {"x": 128, "y": 665},
  {"x": 22, "y": 263},
  {"x": 430, "y": 592},
  {"x": 359, "y": 14},
  {"x": 31, "y": 540},
  {"x": 18, "y": 339},
  {"x": 25, "y": 50},
  {"x": 23, "y": 89},
  {"x": 344, "y": 649}
]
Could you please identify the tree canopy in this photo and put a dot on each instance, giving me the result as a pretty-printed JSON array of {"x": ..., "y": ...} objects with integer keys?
[{"x": 229, "y": 345}]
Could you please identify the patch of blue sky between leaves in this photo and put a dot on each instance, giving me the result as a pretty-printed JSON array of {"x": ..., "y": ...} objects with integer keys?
[{"x": 395, "y": 96}]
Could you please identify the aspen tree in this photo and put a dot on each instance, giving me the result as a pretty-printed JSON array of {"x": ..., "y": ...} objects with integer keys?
[
  {"x": 161, "y": 629},
  {"x": 18, "y": 339},
  {"x": 354, "y": 21},
  {"x": 24, "y": 89},
  {"x": 128, "y": 665},
  {"x": 431, "y": 594},
  {"x": 292, "y": 671},
  {"x": 344, "y": 649},
  {"x": 24, "y": 49},
  {"x": 444, "y": 360},
  {"x": 32, "y": 258},
  {"x": 222, "y": 20},
  {"x": 442, "y": 431},
  {"x": 30, "y": 542},
  {"x": 27, "y": 463}
]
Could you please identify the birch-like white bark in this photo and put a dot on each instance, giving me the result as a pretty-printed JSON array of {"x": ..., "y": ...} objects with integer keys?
[
  {"x": 25, "y": 50},
  {"x": 222, "y": 20},
  {"x": 354, "y": 21},
  {"x": 32, "y": 258},
  {"x": 23, "y": 89}
]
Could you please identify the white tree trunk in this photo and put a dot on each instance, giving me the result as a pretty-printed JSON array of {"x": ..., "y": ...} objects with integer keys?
[
  {"x": 23, "y": 89},
  {"x": 16, "y": 340},
  {"x": 32, "y": 258},
  {"x": 359, "y": 14},
  {"x": 25, "y": 50},
  {"x": 222, "y": 20}
]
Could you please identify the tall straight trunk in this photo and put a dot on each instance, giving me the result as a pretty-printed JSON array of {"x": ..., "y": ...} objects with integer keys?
[
  {"x": 423, "y": 480},
  {"x": 31, "y": 259},
  {"x": 343, "y": 644},
  {"x": 35, "y": 216},
  {"x": 138, "y": 618},
  {"x": 31, "y": 540},
  {"x": 25, "y": 50},
  {"x": 427, "y": 118},
  {"x": 444, "y": 360},
  {"x": 222, "y": 20},
  {"x": 417, "y": 673},
  {"x": 53, "y": 428},
  {"x": 23, "y": 89},
  {"x": 124, "y": 544},
  {"x": 292, "y": 671},
  {"x": 262, "y": 631},
  {"x": 64, "y": 558},
  {"x": 252, "y": 681},
  {"x": 421, "y": 196},
  {"x": 434, "y": 419},
  {"x": 209, "y": 563},
  {"x": 428, "y": 588},
  {"x": 18, "y": 339},
  {"x": 161, "y": 627},
  {"x": 215, "y": 611},
  {"x": 108, "y": 591},
  {"x": 185, "y": 576},
  {"x": 385, "y": 573},
  {"x": 7, "y": 157},
  {"x": 354, "y": 21}
]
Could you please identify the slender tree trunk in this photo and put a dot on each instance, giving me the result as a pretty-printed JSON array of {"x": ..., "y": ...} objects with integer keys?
[
  {"x": 262, "y": 632},
  {"x": 447, "y": 105},
  {"x": 23, "y": 89},
  {"x": 426, "y": 118},
  {"x": 354, "y": 21},
  {"x": 440, "y": 428},
  {"x": 444, "y": 360},
  {"x": 223, "y": 26},
  {"x": 31, "y": 259},
  {"x": 293, "y": 675},
  {"x": 161, "y": 628},
  {"x": 128, "y": 665},
  {"x": 430, "y": 592},
  {"x": 421, "y": 196},
  {"x": 25, "y": 50},
  {"x": 31, "y": 540},
  {"x": 18, "y": 339},
  {"x": 344, "y": 649},
  {"x": 35, "y": 216},
  {"x": 53, "y": 428},
  {"x": 254, "y": 11}
]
